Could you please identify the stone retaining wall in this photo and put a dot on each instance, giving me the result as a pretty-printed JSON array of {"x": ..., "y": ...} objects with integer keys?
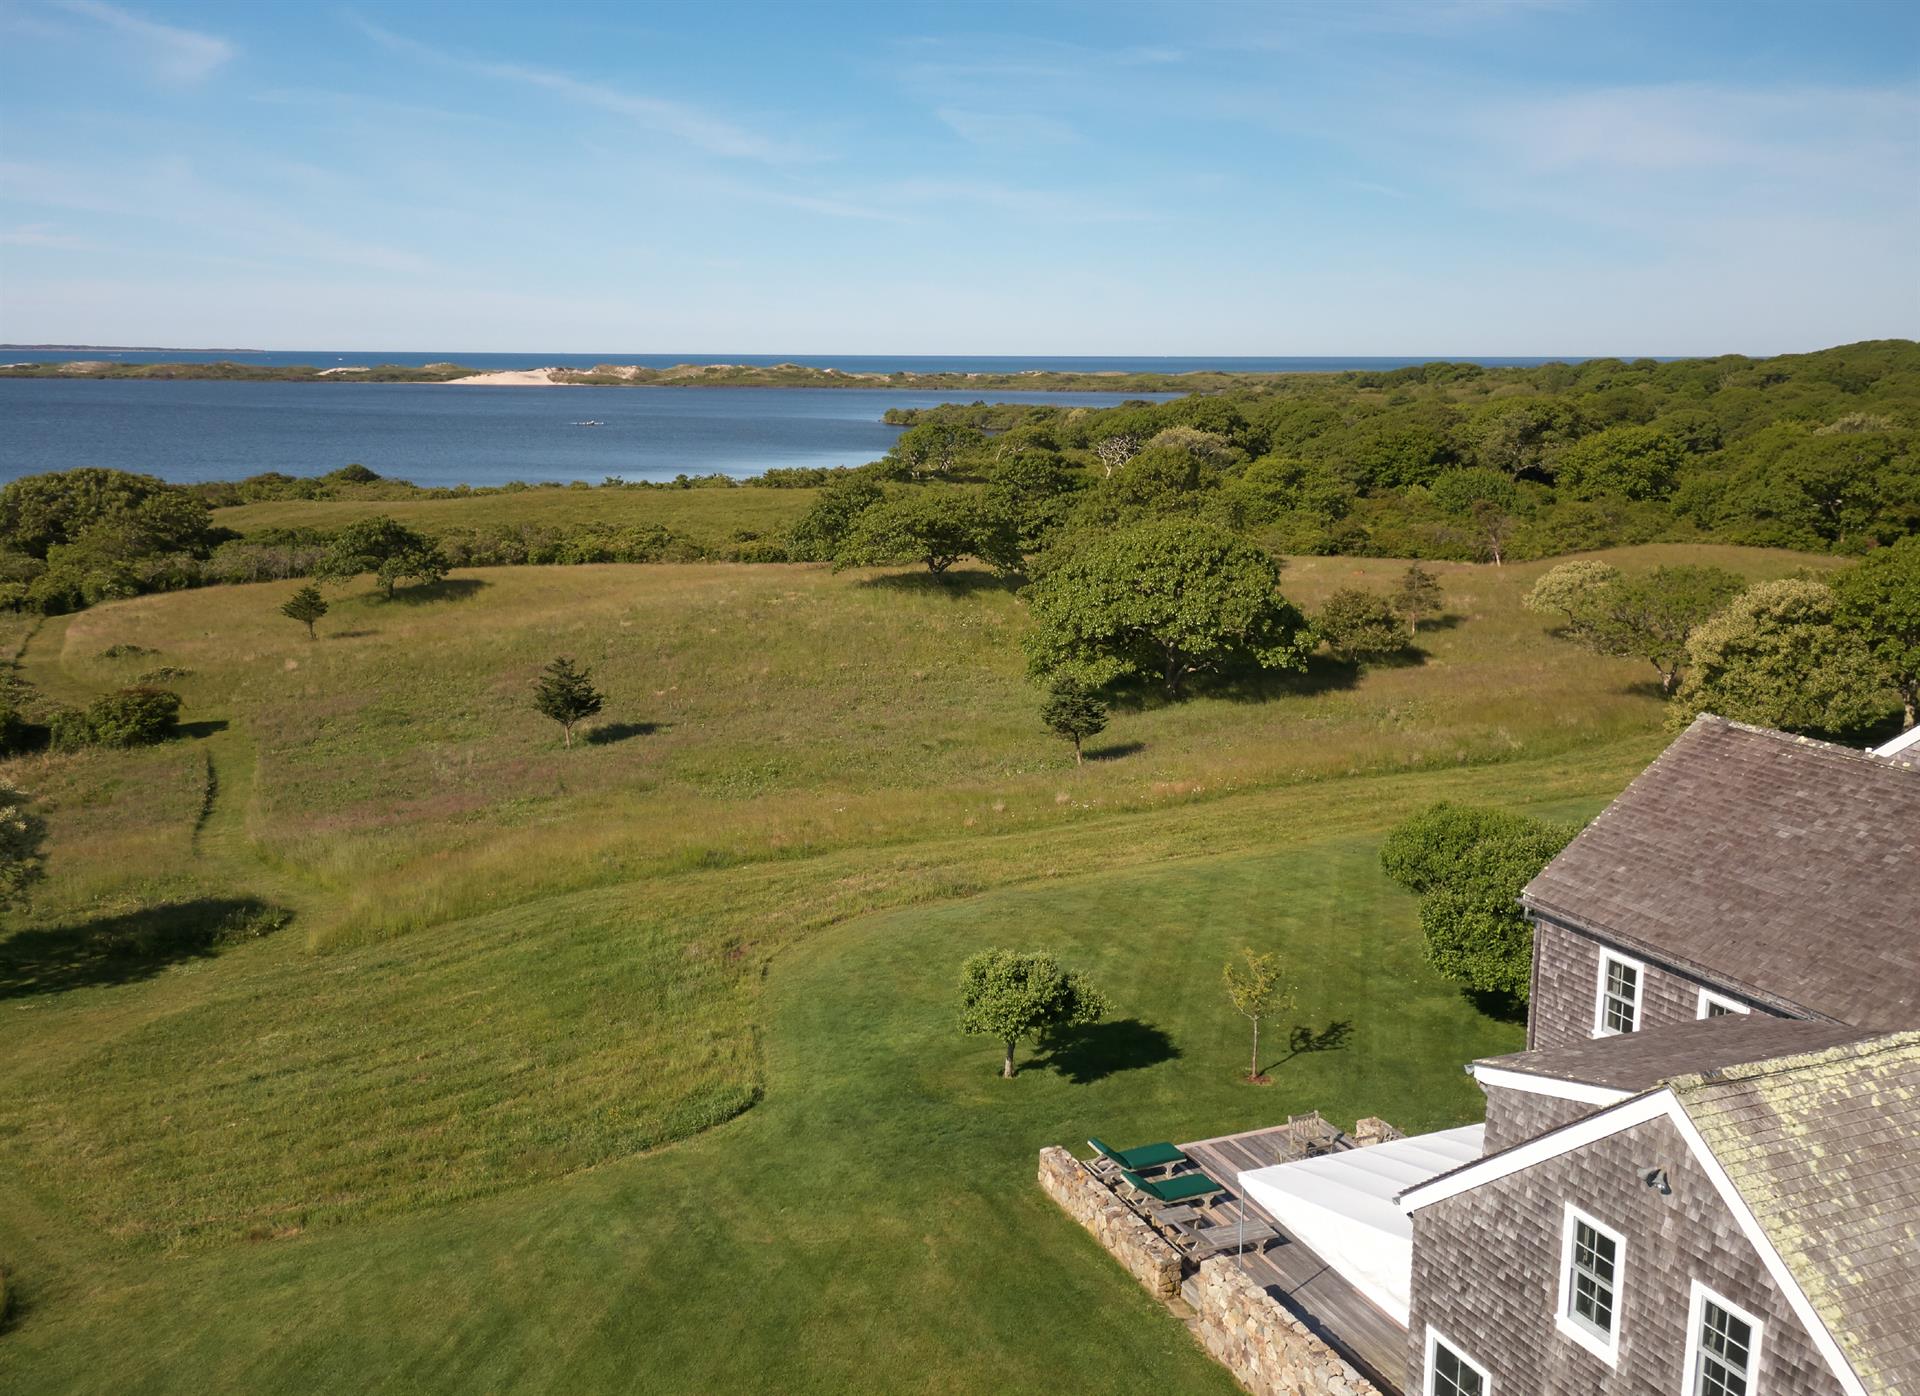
[
  {"x": 1269, "y": 1350},
  {"x": 1147, "y": 1255}
]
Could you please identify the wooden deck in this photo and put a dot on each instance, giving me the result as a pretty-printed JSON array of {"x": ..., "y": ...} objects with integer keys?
[{"x": 1290, "y": 1272}]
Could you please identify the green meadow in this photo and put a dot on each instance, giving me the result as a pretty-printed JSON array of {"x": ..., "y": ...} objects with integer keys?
[{"x": 362, "y": 1037}]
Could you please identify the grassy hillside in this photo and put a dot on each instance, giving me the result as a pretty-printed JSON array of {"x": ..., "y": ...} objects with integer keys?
[{"x": 515, "y": 975}]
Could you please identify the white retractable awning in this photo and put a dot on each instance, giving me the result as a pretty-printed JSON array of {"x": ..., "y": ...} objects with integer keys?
[{"x": 1342, "y": 1206}]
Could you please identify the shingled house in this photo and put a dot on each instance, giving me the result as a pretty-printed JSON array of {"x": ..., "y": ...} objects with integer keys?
[{"x": 1703, "y": 1176}]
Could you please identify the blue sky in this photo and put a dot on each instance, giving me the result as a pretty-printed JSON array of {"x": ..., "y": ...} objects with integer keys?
[{"x": 1440, "y": 177}]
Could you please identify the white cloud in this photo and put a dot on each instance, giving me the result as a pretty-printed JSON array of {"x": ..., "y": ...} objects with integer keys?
[
  {"x": 172, "y": 53},
  {"x": 679, "y": 120}
]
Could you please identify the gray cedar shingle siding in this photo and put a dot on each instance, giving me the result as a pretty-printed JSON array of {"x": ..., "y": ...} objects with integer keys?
[
  {"x": 1486, "y": 1272},
  {"x": 1566, "y": 979},
  {"x": 1513, "y": 1117},
  {"x": 1783, "y": 868}
]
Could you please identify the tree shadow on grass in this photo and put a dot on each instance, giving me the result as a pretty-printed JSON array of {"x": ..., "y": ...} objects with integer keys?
[
  {"x": 206, "y": 727},
  {"x": 954, "y": 586},
  {"x": 1306, "y": 1038},
  {"x": 129, "y": 947},
  {"x": 608, "y": 733},
  {"x": 1323, "y": 674},
  {"x": 452, "y": 589},
  {"x": 1092, "y": 1053},
  {"x": 348, "y": 634},
  {"x": 1114, "y": 751},
  {"x": 1445, "y": 621},
  {"x": 1498, "y": 1004}
]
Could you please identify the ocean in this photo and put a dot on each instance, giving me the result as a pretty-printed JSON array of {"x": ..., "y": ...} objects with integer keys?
[
  {"x": 440, "y": 435},
  {"x": 846, "y": 363}
]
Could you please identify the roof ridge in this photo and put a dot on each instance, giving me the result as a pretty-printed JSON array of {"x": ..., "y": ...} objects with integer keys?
[
  {"x": 1899, "y": 1040},
  {"x": 1866, "y": 757}
]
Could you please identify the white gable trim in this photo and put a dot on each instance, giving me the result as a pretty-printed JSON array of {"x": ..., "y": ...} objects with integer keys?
[
  {"x": 1578, "y": 1091},
  {"x": 1638, "y": 1111}
]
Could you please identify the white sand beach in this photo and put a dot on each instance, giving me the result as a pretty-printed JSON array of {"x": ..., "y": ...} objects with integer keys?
[{"x": 513, "y": 378}]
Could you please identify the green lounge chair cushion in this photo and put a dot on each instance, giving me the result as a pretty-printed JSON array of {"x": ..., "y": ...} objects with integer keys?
[
  {"x": 1146, "y": 1156},
  {"x": 1178, "y": 1189}
]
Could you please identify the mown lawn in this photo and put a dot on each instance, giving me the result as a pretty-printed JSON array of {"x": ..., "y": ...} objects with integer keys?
[
  {"x": 634, "y": 1065},
  {"x": 872, "y": 1225}
]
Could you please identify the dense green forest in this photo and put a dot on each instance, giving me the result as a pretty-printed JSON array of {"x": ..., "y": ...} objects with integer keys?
[{"x": 1443, "y": 461}]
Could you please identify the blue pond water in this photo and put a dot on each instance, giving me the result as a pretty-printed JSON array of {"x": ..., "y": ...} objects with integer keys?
[{"x": 435, "y": 434}]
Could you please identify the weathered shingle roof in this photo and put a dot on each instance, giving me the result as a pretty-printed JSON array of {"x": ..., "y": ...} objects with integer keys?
[
  {"x": 1782, "y": 866},
  {"x": 1636, "y": 1061},
  {"x": 1825, "y": 1151}
]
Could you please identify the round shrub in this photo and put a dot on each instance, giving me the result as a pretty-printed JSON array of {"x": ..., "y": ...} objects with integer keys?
[{"x": 126, "y": 718}]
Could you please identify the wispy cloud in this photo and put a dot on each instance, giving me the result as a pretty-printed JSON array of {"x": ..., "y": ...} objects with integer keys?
[
  {"x": 1697, "y": 126},
  {"x": 45, "y": 235},
  {"x": 1005, "y": 128},
  {"x": 169, "y": 192},
  {"x": 170, "y": 52},
  {"x": 680, "y": 120}
]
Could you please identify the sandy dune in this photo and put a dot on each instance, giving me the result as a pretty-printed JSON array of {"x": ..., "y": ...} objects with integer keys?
[{"x": 515, "y": 378}]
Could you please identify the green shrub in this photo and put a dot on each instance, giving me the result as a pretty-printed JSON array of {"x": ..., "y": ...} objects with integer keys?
[{"x": 126, "y": 718}]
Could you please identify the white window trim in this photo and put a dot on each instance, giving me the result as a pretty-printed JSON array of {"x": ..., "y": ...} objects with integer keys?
[
  {"x": 1709, "y": 999},
  {"x": 1434, "y": 1338},
  {"x": 1689, "y": 1372},
  {"x": 1606, "y": 1349},
  {"x": 1608, "y": 957}
]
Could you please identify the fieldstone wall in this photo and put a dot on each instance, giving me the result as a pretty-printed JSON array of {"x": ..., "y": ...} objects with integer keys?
[
  {"x": 1147, "y": 1255},
  {"x": 1269, "y": 1350}
]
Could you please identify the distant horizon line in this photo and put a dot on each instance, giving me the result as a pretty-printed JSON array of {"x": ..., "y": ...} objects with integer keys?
[{"x": 853, "y": 354}]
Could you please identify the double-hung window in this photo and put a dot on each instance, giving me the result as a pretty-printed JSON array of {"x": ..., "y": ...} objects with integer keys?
[
  {"x": 1451, "y": 1372},
  {"x": 1617, "y": 1004},
  {"x": 1592, "y": 1257},
  {"x": 1723, "y": 1347}
]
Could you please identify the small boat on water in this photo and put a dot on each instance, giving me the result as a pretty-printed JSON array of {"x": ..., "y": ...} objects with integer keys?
[{"x": 589, "y": 424}]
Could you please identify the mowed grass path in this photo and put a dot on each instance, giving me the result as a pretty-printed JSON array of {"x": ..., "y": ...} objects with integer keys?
[{"x": 873, "y": 1225}]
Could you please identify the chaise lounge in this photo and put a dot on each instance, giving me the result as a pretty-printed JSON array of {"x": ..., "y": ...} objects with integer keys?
[
  {"x": 1182, "y": 1188},
  {"x": 1146, "y": 1156}
]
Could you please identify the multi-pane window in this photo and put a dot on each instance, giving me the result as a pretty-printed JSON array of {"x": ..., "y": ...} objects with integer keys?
[
  {"x": 1723, "y": 1362},
  {"x": 1592, "y": 1269},
  {"x": 1450, "y": 1374},
  {"x": 1590, "y": 1284},
  {"x": 1619, "y": 995}
]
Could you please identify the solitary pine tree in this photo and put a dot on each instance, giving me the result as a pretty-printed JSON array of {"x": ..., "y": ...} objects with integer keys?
[
  {"x": 306, "y": 605},
  {"x": 1255, "y": 989},
  {"x": 1074, "y": 711},
  {"x": 1416, "y": 595},
  {"x": 566, "y": 695}
]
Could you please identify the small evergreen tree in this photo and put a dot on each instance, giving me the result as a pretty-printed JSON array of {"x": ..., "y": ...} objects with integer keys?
[
  {"x": 306, "y": 605},
  {"x": 1073, "y": 709},
  {"x": 566, "y": 695},
  {"x": 1416, "y": 594}
]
